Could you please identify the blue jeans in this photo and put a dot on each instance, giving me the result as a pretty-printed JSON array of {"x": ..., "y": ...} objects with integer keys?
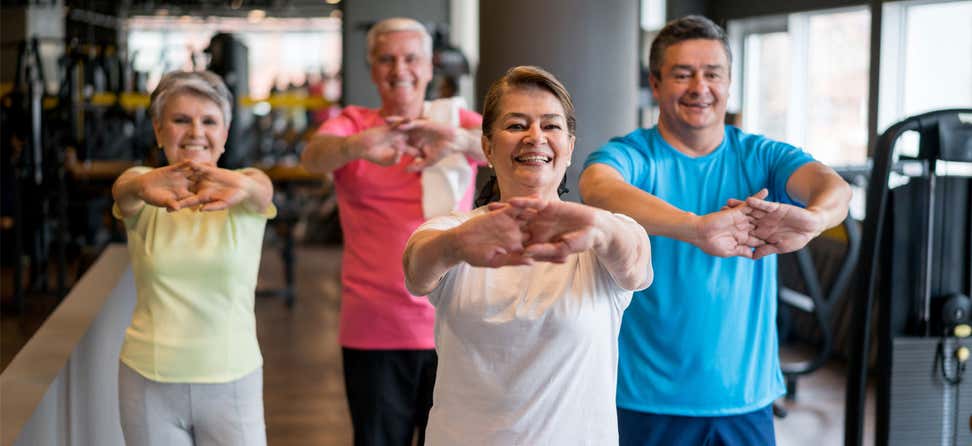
[{"x": 648, "y": 429}]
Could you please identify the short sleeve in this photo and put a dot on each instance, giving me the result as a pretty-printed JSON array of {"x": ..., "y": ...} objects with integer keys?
[
  {"x": 349, "y": 122},
  {"x": 267, "y": 214},
  {"x": 781, "y": 161},
  {"x": 443, "y": 223},
  {"x": 641, "y": 232},
  {"x": 622, "y": 155}
]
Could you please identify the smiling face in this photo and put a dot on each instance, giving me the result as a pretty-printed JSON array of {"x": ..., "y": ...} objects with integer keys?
[
  {"x": 529, "y": 145},
  {"x": 191, "y": 127},
  {"x": 693, "y": 87},
  {"x": 401, "y": 70}
]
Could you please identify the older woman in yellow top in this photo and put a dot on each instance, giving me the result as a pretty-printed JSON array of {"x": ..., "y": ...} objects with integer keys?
[{"x": 191, "y": 369}]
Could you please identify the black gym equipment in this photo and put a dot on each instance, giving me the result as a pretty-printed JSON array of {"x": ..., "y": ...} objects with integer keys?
[
  {"x": 34, "y": 197},
  {"x": 916, "y": 263},
  {"x": 819, "y": 301},
  {"x": 229, "y": 59}
]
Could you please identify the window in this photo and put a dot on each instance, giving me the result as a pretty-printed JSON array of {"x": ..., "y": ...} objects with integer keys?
[
  {"x": 280, "y": 50},
  {"x": 768, "y": 82},
  {"x": 652, "y": 18},
  {"x": 803, "y": 79},
  {"x": 926, "y": 59}
]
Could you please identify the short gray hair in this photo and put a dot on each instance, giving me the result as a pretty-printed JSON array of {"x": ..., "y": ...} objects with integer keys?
[
  {"x": 205, "y": 84},
  {"x": 397, "y": 24}
]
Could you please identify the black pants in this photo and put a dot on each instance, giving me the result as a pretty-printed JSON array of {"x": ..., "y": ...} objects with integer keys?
[{"x": 389, "y": 394}]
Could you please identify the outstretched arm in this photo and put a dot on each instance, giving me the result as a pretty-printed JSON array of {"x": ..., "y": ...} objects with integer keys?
[
  {"x": 490, "y": 240},
  {"x": 724, "y": 233},
  {"x": 787, "y": 228}
]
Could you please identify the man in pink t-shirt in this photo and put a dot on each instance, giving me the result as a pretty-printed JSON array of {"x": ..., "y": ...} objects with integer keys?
[{"x": 378, "y": 157}]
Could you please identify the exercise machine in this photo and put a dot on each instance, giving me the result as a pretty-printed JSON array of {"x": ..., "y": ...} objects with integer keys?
[{"x": 916, "y": 268}]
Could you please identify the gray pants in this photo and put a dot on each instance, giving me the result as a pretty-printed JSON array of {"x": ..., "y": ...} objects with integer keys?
[{"x": 176, "y": 414}]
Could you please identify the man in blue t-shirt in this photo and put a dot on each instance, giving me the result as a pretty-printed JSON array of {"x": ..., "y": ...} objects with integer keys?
[{"x": 698, "y": 350}]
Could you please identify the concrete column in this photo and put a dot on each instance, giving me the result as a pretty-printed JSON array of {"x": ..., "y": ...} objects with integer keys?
[{"x": 592, "y": 47}]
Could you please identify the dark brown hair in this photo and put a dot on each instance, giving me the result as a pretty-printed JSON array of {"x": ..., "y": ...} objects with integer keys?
[{"x": 686, "y": 28}]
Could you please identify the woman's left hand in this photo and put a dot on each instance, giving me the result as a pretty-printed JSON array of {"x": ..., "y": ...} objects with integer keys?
[
  {"x": 558, "y": 228},
  {"x": 217, "y": 188}
]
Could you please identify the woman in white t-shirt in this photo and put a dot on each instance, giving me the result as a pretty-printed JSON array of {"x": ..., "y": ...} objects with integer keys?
[{"x": 529, "y": 290}]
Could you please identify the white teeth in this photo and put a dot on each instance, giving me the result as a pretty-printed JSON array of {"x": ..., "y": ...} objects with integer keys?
[
  {"x": 533, "y": 159},
  {"x": 194, "y": 147}
]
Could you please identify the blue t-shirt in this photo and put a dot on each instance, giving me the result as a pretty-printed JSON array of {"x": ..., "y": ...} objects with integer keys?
[{"x": 701, "y": 341}]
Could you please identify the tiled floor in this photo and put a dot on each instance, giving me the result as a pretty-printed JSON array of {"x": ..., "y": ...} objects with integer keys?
[{"x": 304, "y": 393}]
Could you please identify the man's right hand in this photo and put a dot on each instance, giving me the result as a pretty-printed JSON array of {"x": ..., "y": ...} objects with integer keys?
[{"x": 726, "y": 233}]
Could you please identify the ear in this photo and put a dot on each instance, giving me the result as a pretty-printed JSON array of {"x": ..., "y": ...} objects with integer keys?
[
  {"x": 157, "y": 128},
  {"x": 374, "y": 74},
  {"x": 222, "y": 148},
  {"x": 570, "y": 149},
  {"x": 487, "y": 148},
  {"x": 655, "y": 84}
]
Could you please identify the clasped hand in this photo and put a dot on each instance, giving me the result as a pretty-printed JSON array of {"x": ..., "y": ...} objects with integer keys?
[
  {"x": 524, "y": 230},
  {"x": 755, "y": 228},
  {"x": 426, "y": 141},
  {"x": 193, "y": 185}
]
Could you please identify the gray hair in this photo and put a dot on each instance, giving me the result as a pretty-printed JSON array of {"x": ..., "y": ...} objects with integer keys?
[
  {"x": 205, "y": 84},
  {"x": 397, "y": 24},
  {"x": 686, "y": 28}
]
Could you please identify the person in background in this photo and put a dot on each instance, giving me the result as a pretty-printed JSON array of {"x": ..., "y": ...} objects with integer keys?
[
  {"x": 699, "y": 357},
  {"x": 387, "y": 168},
  {"x": 529, "y": 290},
  {"x": 191, "y": 369}
]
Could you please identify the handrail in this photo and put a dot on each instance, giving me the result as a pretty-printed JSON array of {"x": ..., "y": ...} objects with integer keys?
[{"x": 29, "y": 377}]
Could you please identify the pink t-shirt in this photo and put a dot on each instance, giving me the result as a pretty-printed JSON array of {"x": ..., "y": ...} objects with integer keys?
[{"x": 380, "y": 207}]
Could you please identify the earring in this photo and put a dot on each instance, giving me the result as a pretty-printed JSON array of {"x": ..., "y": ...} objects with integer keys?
[
  {"x": 490, "y": 165},
  {"x": 160, "y": 147}
]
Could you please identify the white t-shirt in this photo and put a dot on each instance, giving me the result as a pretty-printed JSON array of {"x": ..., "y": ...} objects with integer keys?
[{"x": 528, "y": 355}]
